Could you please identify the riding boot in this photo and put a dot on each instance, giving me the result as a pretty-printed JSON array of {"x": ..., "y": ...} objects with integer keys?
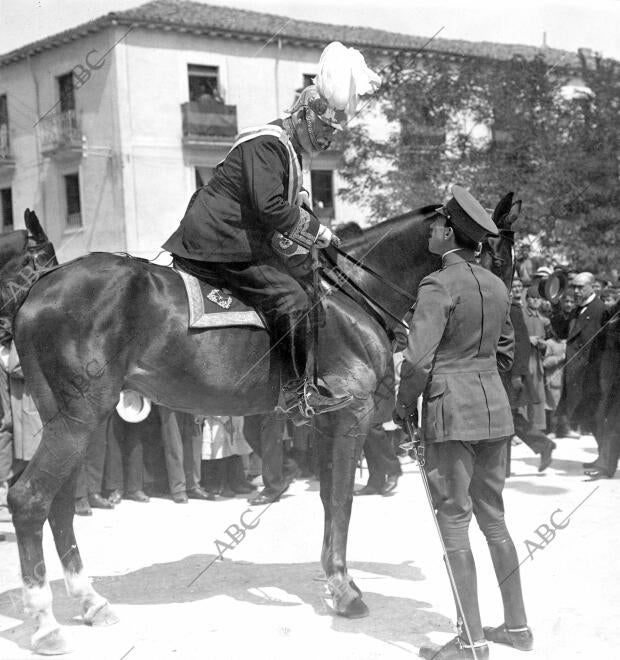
[
  {"x": 514, "y": 630},
  {"x": 299, "y": 392},
  {"x": 223, "y": 487},
  {"x": 464, "y": 572},
  {"x": 236, "y": 476}
]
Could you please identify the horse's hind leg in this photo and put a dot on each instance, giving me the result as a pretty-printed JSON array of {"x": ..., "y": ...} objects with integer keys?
[
  {"x": 95, "y": 608},
  {"x": 340, "y": 446},
  {"x": 30, "y": 501}
]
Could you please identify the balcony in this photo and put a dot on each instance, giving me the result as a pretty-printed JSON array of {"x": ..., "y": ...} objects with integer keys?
[
  {"x": 60, "y": 134},
  {"x": 210, "y": 122},
  {"x": 7, "y": 161}
]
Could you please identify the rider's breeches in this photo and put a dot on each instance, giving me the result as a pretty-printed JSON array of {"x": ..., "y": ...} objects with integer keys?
[
  {"x": 265, "y": 285},
  {"x": 278, "y": 295},
  {"x": 466, "y": 478}
]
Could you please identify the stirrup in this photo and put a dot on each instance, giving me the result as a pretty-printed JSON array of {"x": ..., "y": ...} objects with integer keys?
[{"x": 302, "y": 405}]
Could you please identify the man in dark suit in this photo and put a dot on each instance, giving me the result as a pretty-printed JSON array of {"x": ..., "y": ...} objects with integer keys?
[
  {"x": 250, "y": 218},
  {"x": 459, "y": 335},
  {"x": 608, "y": 414},
  {"x": 518, "y": 382},
  {"x": 580, "y": 383}
]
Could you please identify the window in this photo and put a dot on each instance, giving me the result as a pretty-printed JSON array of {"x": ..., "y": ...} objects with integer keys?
[
  {"x": 4, "y": 127},
  {"x": 323, "y": 194},
  {"x": 203, "y": 175},
  {"x": 72, "y": 196},
  {"x": 6, "y": 209},
  {"x": 66, "y": 91},
  {"x": 203, "y": 83}
]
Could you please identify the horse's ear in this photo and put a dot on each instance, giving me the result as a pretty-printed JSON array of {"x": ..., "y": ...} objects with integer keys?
[
  {"x": 502, "y": 210},
  {"x": 34, "y": 227},
  {"x": 515, "y": 210}
]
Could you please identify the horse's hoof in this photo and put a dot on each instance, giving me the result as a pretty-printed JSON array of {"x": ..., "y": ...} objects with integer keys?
[
  {"x": 356, "y": 609},
  {"x": 53, "y": 643},
  {"x": 100, "y": 615}
]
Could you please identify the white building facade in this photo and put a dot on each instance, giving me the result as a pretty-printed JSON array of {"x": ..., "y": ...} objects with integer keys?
[
  {"x": 108, "y": 128},
  {"x": 108, "y": 148}
]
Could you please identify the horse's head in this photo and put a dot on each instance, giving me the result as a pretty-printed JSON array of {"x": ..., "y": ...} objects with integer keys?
[
  {"x": 27, "y": 254},
  {"x": 498, "y": 252}
]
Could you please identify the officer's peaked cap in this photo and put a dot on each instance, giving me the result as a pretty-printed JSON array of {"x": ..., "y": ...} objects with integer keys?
[{"x": 468, "y": 215}]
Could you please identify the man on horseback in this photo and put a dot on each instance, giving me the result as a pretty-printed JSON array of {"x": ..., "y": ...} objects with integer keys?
[{"x": 252, "y": 217}]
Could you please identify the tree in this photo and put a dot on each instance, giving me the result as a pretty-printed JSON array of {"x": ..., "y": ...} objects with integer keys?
[{"x": 495, "y": 126}]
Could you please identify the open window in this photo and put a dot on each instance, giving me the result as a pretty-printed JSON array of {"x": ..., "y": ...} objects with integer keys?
[
  {"x": 66, "y": 90},
  {"x": 323, "y": 194},
  {"x": 6, "y": 209},
  {"x": 72, "y": 200},
  {"x": 4, "y": 127},
  {"x": 203, "y": 83}
]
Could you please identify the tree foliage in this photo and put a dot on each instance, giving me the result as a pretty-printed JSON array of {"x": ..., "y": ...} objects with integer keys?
[{"x": 495, "y": 126}]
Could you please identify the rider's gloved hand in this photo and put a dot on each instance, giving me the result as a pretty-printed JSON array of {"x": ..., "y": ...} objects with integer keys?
[{"x": 326, "y": 238}]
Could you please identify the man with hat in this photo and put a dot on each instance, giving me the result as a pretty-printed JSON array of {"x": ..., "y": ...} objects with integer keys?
[
  {"x": 251, "y": 222},
  {"x": 581, "y": 377},
  {"x": 460, "y": 334}
]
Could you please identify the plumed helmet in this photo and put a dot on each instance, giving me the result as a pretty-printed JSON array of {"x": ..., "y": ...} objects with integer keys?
[{"x": 343, "y": 76}]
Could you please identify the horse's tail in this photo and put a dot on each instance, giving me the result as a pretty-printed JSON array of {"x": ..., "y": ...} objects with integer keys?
[{"x": 16, "y": 279}]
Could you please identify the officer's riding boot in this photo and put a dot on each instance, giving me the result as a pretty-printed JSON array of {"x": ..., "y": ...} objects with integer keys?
[
  {"x": 514, "y": 631},
  {"x": 299, "y": 393},
  {"x": 462, "y": 647}
]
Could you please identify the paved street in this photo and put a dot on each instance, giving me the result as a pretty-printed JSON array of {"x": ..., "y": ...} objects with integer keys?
[{"x": 265, "y": 599}]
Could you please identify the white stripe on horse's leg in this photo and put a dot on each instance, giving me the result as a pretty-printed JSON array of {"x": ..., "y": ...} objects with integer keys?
[
  {"x": 95, "y": 608},
  {"x": 38, "y": 603}
]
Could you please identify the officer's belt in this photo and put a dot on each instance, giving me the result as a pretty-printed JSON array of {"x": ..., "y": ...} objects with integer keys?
[{"x": 465, "y": 369}]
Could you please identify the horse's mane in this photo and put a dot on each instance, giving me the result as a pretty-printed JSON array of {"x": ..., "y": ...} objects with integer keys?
[{"x": 391, "y": 224}]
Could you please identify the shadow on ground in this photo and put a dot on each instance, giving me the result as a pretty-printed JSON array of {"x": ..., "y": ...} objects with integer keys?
[
  {"x": 530, "y": 488},
  {"x": 392, "y": 618}
]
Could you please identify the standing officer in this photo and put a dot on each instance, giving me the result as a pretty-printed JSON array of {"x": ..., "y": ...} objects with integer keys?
[{"x": 460, "y": 334}]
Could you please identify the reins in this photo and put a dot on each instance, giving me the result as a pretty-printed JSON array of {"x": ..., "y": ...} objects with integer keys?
[
  {"x": 372, "y": 272},
  {"x": 341, "y": 277}
]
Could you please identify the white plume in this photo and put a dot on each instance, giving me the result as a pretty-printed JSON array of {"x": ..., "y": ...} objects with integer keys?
[{"x": 343, "y": 77}]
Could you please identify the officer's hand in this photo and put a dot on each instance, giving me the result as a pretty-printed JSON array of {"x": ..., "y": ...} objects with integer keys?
[
  {"x": 401, "y": 338},
  {"x": 326, "y": 237},
  {"x": 517, "y": 383},
  {"x": 400, "y": 416}
]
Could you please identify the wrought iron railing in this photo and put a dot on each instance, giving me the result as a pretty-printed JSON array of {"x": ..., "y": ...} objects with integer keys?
[
  {"x": 60, "y": 130},
  {"x": 202, "y": 121}
]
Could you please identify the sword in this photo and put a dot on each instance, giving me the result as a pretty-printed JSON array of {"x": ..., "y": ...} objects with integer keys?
[{"x": 418, "y": 448}]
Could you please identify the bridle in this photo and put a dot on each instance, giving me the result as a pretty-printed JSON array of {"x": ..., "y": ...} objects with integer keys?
[{"x": 498, "y": 262}]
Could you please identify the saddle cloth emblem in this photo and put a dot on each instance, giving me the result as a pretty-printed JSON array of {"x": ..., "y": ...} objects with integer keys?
[
  {"x": 214, "y": 308},
  {"x": 219, "y": 298}
]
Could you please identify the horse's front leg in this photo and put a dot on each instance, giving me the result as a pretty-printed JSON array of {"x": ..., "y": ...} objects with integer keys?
[{"x": 340, "y": 442}]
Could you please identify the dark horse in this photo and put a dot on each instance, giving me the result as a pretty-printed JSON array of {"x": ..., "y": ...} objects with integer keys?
[{"x": 102, "y": 323}]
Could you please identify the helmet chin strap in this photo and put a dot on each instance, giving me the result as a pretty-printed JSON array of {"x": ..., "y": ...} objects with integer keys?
[{"x": 300, "y": 128}]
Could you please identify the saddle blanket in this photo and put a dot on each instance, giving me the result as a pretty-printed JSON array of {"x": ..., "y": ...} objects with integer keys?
[{"x": 216, "y": 308}]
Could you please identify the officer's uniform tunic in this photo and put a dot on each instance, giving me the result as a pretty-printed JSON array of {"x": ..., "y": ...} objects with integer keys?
[
  {"x": 228, "y": 224},
  {"x": 460, "y": 334}
]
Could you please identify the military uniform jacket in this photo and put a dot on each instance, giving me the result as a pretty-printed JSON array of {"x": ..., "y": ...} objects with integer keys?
[
  {"x": 460, "y": 333},
  {"x": 252, "y": 193}
]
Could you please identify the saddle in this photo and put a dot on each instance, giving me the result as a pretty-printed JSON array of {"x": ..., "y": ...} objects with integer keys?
[{"x": 212, "y": 306}]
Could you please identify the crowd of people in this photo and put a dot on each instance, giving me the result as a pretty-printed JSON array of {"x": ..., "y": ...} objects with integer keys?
[{"x": 563, "y": 380}]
